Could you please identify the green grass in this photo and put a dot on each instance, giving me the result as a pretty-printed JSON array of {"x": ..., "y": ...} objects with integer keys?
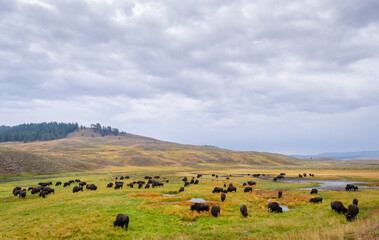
[{"x": 90, "y": 214}]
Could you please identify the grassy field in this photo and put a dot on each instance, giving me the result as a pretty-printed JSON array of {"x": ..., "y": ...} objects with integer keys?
[{"x": 90, "y": 214}]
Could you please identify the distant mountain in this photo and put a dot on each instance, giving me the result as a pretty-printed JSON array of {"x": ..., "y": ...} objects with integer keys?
[{"x": 363, "y": 155}]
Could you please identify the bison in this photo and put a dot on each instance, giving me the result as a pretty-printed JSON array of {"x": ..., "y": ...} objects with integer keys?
[
  {"x": 217, "y": 190},
  {"x": 91, "y": 187},
  {"x": 215, "y": 210},
  {"x": 109, "y": 185},
  {"x": 181, "y": 189},
  {"x": 122, "y": 220},
  {"x": 82, "y": 184},
  {"x": 58, "y": 183},
  {"x": 338, "y": 207},
  {"x": 247, "y": 189},
  {"x": 355, "y": 201},
  {"x": 231, "y": 189},
  {"x": 350, "y": 187},
  {"x": 66, "y": 184},
  {"x": 243, "y": 210},
  {"x": 352, "y": 211},
  {"x": 196, "y": 181},
  {"x": 22, "y": 194},
  {"x": 314, "y": 191},
  {"x": 186, "y": 184},
  {"x": 200, "y": 207},
  {"x": 280, "y": 193},
  {"x": 251, "y": 183},
  {"x": 223, "y": 196},
  {"x": 315, "y": 200},
  {"x": 274, "y": 207},
  {"x": 77, "y": 189}
]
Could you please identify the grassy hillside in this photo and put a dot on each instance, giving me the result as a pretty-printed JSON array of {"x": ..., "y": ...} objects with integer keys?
[{"x": 86, "y": 150}]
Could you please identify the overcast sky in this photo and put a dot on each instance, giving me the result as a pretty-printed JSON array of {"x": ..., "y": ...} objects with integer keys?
[{"x": 280, "y": 76}]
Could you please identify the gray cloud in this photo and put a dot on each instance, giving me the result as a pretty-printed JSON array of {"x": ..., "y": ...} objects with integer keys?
[{"x": 263, "y": 75}]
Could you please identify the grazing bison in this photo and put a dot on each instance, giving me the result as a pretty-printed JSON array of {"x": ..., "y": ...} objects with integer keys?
[
  {"x": 274, "y": 207},
  {"x": 16, "y": 189},
  {"x": 283, "y": 174},
  {"x": 200, "y": 207},
  {"x": 22, "y": 194},
  {"x": 140, "y": 185},
  {"x": 121, "y": 178},
  {"x": 350, "y": 187},
  {"x": 45, "y": 184},
  {"x": 352, "y": 211},
  {"x": 215, "y": 210},
  {"x": 66, "y": 184},
  {"x": 58, "y": 183},
  {"x": 181, "y": 189},
  {"x": 109, "y": 185},
  {"x": 118, "y": 185},
  {"x": 91, "y": 187},
  {"x": 314, "y": 191},
  {"x": 213, "y": 174},
  {"x": 223, "y": 196},
  {"x": 77, "y": 180},
  {"x": 130, "y": 185},
  {"x": 280, "y": 194},
  {"x": 244, "y": 184},
  {"x": 300, "y": 176},
  {"x": 216, "y": 176},
  {"x": 304, "y": 174},
  {"x": 122, "y": 220},
  {"x": 355, "y": 201},
  {"x": 251, "y": 183},
  {"x": 77, "y": 189},
  {"x": 156, "y": 177},
  {"x": 82, "y": 184},
  {"x": 186, "y": 184},
  {"x": 71, "y": 181},
  {"x": 217, "y": 190},
  {"x": 247, "y": 189},
  {"x": 199, "y": 175},
  {"x": 185, "y": 179},
  {"x": 196, "y": 181},
  {"x": 243, "y": 210},
  {"x": 227, "y": 178},
  {"x": 30, "y": 188},
  {"x": 17, "y": 192},
  {"x": 338, "y": 207},
  {"x": 231, "y": 189},
  {"x": 275, "y": 179},
  {"x": 315, "y": 200},
  {"x": 192, "y": 181},
  {"x": 147, "y": 186}
]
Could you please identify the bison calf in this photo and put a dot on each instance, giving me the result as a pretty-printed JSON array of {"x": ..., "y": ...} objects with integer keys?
[{"x": 122, "y": 220}]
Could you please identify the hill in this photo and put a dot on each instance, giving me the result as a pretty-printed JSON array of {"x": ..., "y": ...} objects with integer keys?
[
  {"x": 362, "y": 155},
  {"x": 86, "y": 149}
]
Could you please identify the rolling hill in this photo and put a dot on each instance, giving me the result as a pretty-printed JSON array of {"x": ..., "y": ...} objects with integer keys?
[{"x": 85, "y": 149}]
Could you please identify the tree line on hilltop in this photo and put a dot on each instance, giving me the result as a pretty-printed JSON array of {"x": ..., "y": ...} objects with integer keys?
[{"x": 36, "y": 131}]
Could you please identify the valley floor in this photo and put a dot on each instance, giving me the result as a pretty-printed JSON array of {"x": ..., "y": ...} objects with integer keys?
[{"x": 164, "y": 213}]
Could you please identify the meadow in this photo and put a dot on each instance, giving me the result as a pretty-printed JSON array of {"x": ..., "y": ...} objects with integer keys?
[{"x": 164, "y": 213}]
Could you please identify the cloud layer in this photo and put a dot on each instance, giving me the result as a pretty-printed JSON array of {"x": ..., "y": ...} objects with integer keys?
[{"x": 283, "y": 76}]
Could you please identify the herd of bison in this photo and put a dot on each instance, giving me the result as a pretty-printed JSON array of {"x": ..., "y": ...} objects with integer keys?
[{"x": 44, "y": 189}]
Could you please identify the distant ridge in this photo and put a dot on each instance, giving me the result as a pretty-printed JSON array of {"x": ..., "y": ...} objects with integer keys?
[{"x": 369, "y": 155}]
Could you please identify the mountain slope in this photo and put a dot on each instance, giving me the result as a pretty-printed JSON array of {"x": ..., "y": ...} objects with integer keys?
[{"x": 84, "y": 150}]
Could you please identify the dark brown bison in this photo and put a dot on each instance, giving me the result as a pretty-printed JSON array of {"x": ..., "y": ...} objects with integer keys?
[
  {"x": 355, "y": 201},
  {"x": 274, "y": 207},
  {"x": 181, "y": 189},
  {"x": 304, "y": 174},
  {"x": 77, "y": 189},
  {"x": 231, "y": 189},
  {"x": 58, "y": 183},
  {"x": 186, "y": 184},
  {"x": 251, "y": 183},
  {"x": 314, "y": 191},
  {"x": 352, "y": 212},
  {"x": 77, "y": 180},
  {"x": 248, "y": 189},
  {"x": 122, "y": 220},
  {"x": 22, "y": 194},
  {"x": 199, "y": 175},
  {"x": 200, "y": 207},
  {"x": 350, "y": 187},
  {"x": 215, "y": 210},
  {"x": 109, "y": 185},
  {"x": 16, "y": 189},
  {"x": 147, "y": 186},
  {"x": 192, "y": 181},
  {"x": 82, "y": 184},
  {"x": 280, "y": 193},
  {"x": 300, "y": 176},
  {"x": 185, "y": 179},
  {"x": 216, "y": 176},
  {"x": 196, "y": 181},
  {"x": 91, "y": 187},
  {"x": 283, "y": 174},
  {"x": 223, "y": 196},
  {"x": 71, "y": 181},
  {"x": 338, "y": 207},
  {"x": 66, "y": 184},
  {"x": 156, "y": 177},
  {"x": 243, "y": 210},
  {"x": 244, "y": 184},
  {"x": 118, "y": 185},
  {"x": 315, "y": 200},
  {"x": 140, "y": 185},
  {"x": 217, "y": 190}
]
